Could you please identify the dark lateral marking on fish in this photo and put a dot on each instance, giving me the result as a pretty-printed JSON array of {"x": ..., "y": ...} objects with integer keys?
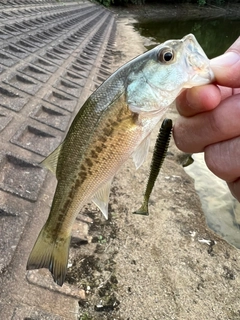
[
  {"x": 77, "y": 183},
  {"x": 83, "y": 168},
  {"x": 82, "y": 175},
  {"x": 72, "y": 191},
  {"x": 57, "y": 226},
  {"x": 108, "y": 130},
  {"x": 61, "y": 218},
  {"x": 102, "y": 139},
  {"x": 94, "y": 154},
  {"x": 89, "y": 162},
  {"x": 98, "y": 149},
  {"x": 159, "y": 154},
  {"x": 113, "y": 123},
  {"x": 66, "y": 206}
]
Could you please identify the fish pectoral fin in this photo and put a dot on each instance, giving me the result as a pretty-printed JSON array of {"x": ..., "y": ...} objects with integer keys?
[
  {"x": 101, "y": 198},
  {"x": 140, "y": 154},
  {"x": 51, "y": 254},
  {"x": 51, "y": 161}
]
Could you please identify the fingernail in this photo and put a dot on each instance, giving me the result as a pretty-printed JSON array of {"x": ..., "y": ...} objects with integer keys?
[{"x": 226, "y": 60}]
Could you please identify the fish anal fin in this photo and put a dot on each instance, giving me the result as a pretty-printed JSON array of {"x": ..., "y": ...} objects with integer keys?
[
  {"x": 140, "y": 154},
  {"x": 51, "y": 161},
  {"x": 51, "y": 255},
  {"x": 101, "y": 198}
]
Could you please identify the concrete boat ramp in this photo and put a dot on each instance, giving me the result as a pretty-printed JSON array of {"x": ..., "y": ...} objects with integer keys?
[{"x": 52, "y": 56}]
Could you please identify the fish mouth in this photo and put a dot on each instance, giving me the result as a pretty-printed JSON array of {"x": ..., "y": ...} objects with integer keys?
[
  {"x": 203, "y": 77},
  {"x": 198, "y": 62}
]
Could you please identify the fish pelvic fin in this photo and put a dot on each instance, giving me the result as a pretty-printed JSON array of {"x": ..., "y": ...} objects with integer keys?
[{"x": 50, "y": 254}]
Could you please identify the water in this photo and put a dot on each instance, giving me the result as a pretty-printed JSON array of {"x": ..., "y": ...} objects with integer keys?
[
  {"x": 214, "y": 35},
  {"x": 221, "y": 210}
]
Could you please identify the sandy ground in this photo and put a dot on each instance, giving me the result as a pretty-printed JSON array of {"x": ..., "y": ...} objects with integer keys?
[{"x": 167, "y": 265}]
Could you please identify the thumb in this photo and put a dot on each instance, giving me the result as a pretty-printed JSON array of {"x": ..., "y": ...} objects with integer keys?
[{"x": 226, "y": 67}]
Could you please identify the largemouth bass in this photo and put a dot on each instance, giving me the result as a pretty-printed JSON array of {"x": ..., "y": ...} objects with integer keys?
[
  {"x": 159, "y": 154},
  {"x": 113, "y": 124}
]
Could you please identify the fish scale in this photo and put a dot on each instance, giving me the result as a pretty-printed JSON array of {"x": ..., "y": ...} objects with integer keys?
[{"x": 114, "y": 123}]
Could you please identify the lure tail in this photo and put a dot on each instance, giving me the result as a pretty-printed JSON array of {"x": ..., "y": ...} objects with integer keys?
[{"x": 51, "y": 254}]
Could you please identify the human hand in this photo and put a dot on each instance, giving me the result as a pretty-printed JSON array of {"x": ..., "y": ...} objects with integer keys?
[{"x": 209, "y": 119}]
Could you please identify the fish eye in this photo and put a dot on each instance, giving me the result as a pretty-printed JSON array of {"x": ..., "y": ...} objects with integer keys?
[{"x": 166, "y": 55}]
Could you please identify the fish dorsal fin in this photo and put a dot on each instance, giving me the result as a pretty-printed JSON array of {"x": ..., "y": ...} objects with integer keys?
[
  {"x": 140, "y": 154},
  {"x": 101, "y": 198},
  {"x": 51, "y": 161}
]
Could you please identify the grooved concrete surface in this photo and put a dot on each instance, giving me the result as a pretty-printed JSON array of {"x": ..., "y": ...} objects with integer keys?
[{"x": 52, "y": 56}]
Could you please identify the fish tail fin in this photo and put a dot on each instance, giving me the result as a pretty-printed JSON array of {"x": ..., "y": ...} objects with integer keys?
[{"x": 51, "y": 254}]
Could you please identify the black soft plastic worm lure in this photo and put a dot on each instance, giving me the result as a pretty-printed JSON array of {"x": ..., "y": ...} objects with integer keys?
[{"x": 159, "y": 154}]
